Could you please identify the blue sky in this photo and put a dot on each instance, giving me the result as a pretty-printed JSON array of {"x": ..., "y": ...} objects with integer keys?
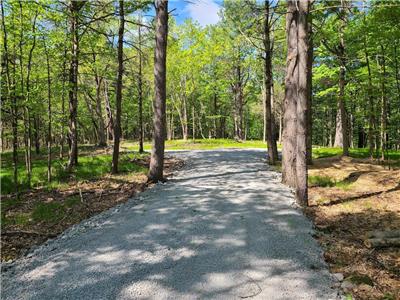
[{"x": 205, "y": 12}]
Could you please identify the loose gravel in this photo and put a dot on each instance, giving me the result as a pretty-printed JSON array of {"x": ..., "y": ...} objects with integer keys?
[{"x": 223, "y": 228}]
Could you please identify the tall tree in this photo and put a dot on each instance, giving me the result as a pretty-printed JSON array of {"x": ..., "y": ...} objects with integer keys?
[
  {"x": 118, "y": 96},
  {"x": 74, "y": 8},
  {"x": 302, "y": 102},
  {"x": 159, "y": 103},
  {"x": 290, "y": 102},
  {"x": 268, "y": 83}
]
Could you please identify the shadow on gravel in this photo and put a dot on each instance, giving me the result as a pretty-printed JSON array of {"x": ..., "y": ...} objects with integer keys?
[{"x": 226, "y": 232}]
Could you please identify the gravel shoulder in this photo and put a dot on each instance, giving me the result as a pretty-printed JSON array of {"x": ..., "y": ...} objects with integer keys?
[{"x": 223, "y": 228}]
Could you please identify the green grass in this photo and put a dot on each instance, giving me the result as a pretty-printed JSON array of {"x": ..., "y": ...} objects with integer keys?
[
  {"x": 89, "y": 167},
  {"x": 200, "y": 144},
  {"x": 322, "y": 181},
  {"x": 320, "y": 152},
  {"x": 49, "y": 212},
  {"x": 326, "y": 181}
]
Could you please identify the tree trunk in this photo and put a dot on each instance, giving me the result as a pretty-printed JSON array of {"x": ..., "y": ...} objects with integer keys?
[
  {"x": 74, "y": 8},
  {"x": 341, "y": 136},
  {"x": 118, "y": 96},
  {"x": 140, "y": 91},
  {"x": 11, "y": 95},
  {"x": 101, "y": 134},
  {"x": 62, "y": 121},
  {"x": 383, "y": 105},
  {"x": 371, "y": 118},
  {"x": 271, "y": 141},
  {"x": 310, "y": 60},
  {"x": 302, "y": 104},
  {"x": 159, "y": 103},
  {"x": 290, "y": 102},
  {"x": 49, "y": 116},
  {"x": 110, "y": 118}
]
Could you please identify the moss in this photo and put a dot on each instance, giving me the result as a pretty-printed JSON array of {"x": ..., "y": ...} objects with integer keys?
[{"x": 360, "y": 279}]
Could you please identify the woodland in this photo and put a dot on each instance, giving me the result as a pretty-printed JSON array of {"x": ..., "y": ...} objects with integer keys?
[{"x": 89, "y": 87}]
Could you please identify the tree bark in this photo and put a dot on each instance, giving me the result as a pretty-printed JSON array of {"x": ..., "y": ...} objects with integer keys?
[
  {"x": 310, "y": 60},
  {"x": 49, "y": 135},
  {"x": 371, "y": 118},
  {"x": 140, "y": 91},
  {"x": 271, "y": 141},
  {"x": 11, "y": 95},
  {"x": 383, "y": 105},
  {"x": 74, "y": 8},
  {"x": 159, "y": 103},
  {"x": 118, "y": 96},
  {"x": 101, "y": 134},
  {"x": 341, "y": 136},
  {"x": 290, "y": 102},
  {"x": 302, "y": 104},
  {"x": 110, "y": 118}
]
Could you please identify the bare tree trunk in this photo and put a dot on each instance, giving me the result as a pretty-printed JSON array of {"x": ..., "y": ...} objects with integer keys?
[
  {"x": 159, "y": 103},
  {"x": 290, "y": 102},
  {"x": 193, "y": 124},
  {"x": 74, "y": 7},
  {"x": 271, "y": 142},
  {"x": 118, "y": 96},
  {"x": 383, "y": 105},
  {"x": 11, "y": 95},
  {"x": 48, "y": 115},
  {"x": 62, "y": 137},
  {"x": 110, "y": 118},
  {"x": 341, "y": 137},
  {"x": 310, "y": 60},
  {"x": 140, "y": 91},
  {"x": 302, "y": 104},
  {"x": 101, "y": 134},
  {"x": 371, "y": 118}
]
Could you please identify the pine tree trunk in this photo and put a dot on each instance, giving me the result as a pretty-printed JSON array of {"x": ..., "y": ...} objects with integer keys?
[
  {"x": 290, "y": 102},
  {"x": 74, "y": 8},
  {"x": 302, "y": 104},
  {"x": 383, "y": 106},
  {"x": 310, "y": 60},
  {"x": 269, "y": 136},
  {"x": 140, "y": 92},
  {"x": 159, "y": 103},
  {"x": 341, "y": 136},
  {"x": 49, "y": 135},
  {"x": 110, "y": 118},
  {"x": 118, "y": 96}
]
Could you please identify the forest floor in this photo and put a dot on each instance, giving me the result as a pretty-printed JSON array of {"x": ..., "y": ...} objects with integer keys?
[
  {"x": 46, "y": 211},
  {"x": 351, "y": 197}
]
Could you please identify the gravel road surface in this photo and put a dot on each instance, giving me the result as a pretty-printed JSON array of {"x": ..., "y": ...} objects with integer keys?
[{"x": 223, "y": 227}]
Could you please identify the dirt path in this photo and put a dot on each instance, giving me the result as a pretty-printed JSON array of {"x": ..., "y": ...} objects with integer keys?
[{"x": 224, "y": 228}]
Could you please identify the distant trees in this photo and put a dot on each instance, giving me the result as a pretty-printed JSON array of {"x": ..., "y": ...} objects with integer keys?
[{"x": 225, "y": 80}]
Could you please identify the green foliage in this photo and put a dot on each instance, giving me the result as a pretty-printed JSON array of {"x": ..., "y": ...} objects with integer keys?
[
  {"x": 90, "y": 167},
  {"x": 48, "y": 212},
  {"x": 322, "y": 181}
]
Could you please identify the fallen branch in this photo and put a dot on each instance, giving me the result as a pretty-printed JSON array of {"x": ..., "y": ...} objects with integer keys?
[{"x": 382, "y": 242}]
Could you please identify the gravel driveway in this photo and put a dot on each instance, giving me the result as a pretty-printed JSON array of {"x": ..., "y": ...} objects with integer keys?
[{"x": 222, "y": 228}]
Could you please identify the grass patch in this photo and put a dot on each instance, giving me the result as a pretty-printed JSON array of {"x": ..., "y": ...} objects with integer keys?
[
  {"x": 322, "y": 181},
  {"x": 52, "y": 212},
  {"x": 322, "y": 152},
  {"x": 89, "y": 167},
  {"x": 200, "y": 144},
  {"x": 72, "y": 201},
  {"x": 326, "y": 181}
]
